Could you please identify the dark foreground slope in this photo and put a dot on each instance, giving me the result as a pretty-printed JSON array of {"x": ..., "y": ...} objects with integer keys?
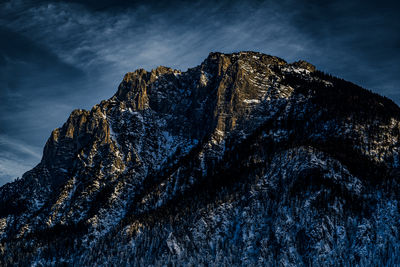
[{"x": 243, "y": 160}]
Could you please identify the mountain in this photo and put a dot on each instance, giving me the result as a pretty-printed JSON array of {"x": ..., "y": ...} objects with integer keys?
[{"x": 243, "y": 160}]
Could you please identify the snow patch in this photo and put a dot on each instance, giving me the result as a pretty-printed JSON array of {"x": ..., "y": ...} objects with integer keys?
[{"x": 251, "y": 101}]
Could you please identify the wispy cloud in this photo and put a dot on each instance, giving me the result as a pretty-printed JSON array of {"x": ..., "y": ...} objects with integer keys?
[
  {"x": 16, "y": 157},
  {"x": 12, "y": 168},
  {"x": 144, "y": 37},
  {"x": 20, "y": 147}
]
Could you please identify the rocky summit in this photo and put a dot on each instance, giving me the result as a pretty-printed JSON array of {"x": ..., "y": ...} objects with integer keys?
[{"x": 244, "y": 160}]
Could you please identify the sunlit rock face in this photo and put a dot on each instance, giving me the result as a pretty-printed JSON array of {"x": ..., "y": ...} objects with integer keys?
[{"x": 243, "y": 160}]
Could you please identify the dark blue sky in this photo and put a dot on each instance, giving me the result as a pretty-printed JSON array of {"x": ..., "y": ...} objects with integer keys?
[{"x": 56, "y": 56}]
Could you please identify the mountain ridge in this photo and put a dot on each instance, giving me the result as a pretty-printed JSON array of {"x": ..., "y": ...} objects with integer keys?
[{"x": 239, "y": 132}]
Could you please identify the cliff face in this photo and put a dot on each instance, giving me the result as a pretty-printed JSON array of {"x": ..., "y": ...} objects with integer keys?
[{"x": 244, "y": 159}]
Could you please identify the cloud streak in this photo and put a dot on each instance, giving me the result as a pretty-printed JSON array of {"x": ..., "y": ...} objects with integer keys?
[
  {"x": 16, "y": 158},
  {"x": 20, "y": 147}
]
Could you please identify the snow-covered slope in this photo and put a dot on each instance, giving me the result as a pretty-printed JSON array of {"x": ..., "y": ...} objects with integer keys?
[{"x": 242, "y": 160}]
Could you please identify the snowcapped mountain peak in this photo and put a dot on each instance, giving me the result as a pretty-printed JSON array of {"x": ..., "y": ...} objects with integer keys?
[{"x": 242, "y": 160}]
